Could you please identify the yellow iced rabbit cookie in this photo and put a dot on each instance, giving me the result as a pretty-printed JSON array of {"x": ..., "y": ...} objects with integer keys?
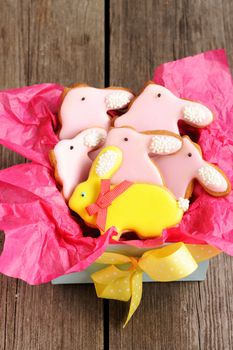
[{"x": 143, "y": 208}]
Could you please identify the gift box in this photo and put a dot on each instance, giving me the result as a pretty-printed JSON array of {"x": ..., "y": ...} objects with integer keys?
[
  {"x": 45, "y": 241},
  {"x": 85, "y": 276}
]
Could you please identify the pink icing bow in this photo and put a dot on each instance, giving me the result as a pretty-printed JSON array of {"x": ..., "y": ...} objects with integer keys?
[{"x": 105, "y": 199}]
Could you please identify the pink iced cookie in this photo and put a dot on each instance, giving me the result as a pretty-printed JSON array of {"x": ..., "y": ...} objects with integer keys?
[
  {"x": 137, "y": 166},
  {"x": 70, "y": 158},
  {"x": 86, "y": 107},
  {"x": 179, "y": 171},
  {"x": 156, "y": 108}
]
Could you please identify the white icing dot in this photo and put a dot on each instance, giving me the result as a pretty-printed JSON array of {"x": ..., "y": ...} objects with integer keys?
[
  {"x": 197, "y": 114},
  {"x": 181, "y": 272},
  {"x": 106, "y": 162},
  {"x": 172, "y": 269},
  {"x": 183, "y": 203},
  {"x": 93, "y": 138},
  {"x": 163, "y": 144},
  {"x": 197, "y": 256},
  {"x": 118, "y": 99},
  {"x": 212, "y": 178},
  {"x": 127, "y": 290},
  {"x": 111, "y": 290}
]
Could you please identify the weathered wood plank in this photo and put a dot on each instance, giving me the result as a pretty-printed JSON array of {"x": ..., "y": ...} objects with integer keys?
[
  {"x": 50, "y": 41},
  {"x": 147, "y": 33},
  {"x": 13, "y": 73},
  {"x": 13, "y": 43},
  {"x": 67, "y": 42},
  {"x": 58, "y": 317},
  {"x": 144, "y": 34},
  {"x": 216, "y": 306}
]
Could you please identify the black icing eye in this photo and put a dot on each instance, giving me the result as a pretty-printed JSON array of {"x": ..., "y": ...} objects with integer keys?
[
  {"x": 189, "y": 154},
  {"x": 83, "y": 98},
  {"x": 83, "y": 194},
  {"x": 159, "y": 95},
  {"x": 71, "y": 147},
  {"x": 126, "y": 139}
]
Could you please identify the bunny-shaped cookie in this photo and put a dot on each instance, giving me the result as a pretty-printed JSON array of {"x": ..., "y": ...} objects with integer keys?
[
  {"x": 180, "y": 169},
  {"x": 85, "y": 107},
  {"x": 71, "y": 160},
  {"x": 143, "y": 208},
  {"x": 157, "y": 108},
  {"x": 136, "y": 165}
]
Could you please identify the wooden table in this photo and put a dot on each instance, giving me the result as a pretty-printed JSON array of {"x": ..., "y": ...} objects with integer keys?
[{"x": 111, "y": 42}]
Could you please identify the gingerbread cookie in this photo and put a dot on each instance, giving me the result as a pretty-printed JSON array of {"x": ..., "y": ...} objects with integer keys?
[
  {"x": 157, "y": 108},
  {"x": 136, "y": 165},
  {"x": 70, "y": 158},
  {"x": 84, "y": 107},
  {"x": 143, "y": 208},
  {"x": 180, "y": 169}
]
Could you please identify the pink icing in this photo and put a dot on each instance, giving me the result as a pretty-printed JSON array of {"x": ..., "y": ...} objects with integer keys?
[
  {"x": 181, "y": 168},
  {"x": 84, "y": 107},
  {"x": 136, "y": 166},
  {"x": 73, "y": 162},
  {"x": 157, "y": 108}
]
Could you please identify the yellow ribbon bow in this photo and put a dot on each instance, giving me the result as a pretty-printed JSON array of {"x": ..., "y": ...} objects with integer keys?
[{"x": 166, "y": 264}]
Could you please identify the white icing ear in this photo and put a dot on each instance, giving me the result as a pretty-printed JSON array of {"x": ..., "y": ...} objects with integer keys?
[
  {"x": 212, "y": 179},
  {"x": 183, "y": 204},
  {"x": 107, "y": 162},
  {"x": 118, "y": 99},
  {"x": 164, "y": 144},
  {"x": 94, "y": 137},
  {"x": 197, "y": 114}
]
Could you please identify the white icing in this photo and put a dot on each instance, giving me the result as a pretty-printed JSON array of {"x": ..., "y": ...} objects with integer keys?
[
  {"x": 163, "y": 144},
  {"x": 118, "y": 99},
  {"x": 183, "y": 203},
  {"x": 105, "y": 163},
  {"x": 93, "y": 138},
  {"x": 197, "y": 114},
  {"x": 212, "y": 178}
]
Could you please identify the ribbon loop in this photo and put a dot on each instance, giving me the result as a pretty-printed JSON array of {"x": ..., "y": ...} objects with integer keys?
[{"x": 170, "y": 263}]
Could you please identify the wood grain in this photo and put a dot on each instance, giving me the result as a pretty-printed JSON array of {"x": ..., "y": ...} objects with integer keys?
[
  {"x": 147, "y": 33},
  {"x": 64, "y": 41},
  {"x": 13, "y": 73},
  {"x": 144, "y": 34},
  {"x": 50, "y": 41}
]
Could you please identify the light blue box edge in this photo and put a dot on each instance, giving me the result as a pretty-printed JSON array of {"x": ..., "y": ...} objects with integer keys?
[{"x": 85, "y": 276}]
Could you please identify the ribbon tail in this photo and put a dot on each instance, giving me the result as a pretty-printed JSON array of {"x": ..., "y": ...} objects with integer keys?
[
  {"x": 136, "y": 290},
  {"x": 101, "y": 219},
  {"x": 92, "y": 209}
]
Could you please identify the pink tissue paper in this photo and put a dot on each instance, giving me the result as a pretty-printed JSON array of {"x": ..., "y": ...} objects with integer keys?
[{"x": 43, "y": 239}]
